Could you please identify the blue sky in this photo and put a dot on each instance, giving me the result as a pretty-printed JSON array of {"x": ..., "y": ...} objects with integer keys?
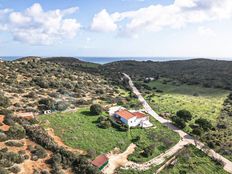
[{"x": 185, "y": 28}]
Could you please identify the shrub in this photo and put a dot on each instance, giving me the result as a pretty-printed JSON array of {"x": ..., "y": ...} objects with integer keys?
[
  {"x": 95, "y": 109},
  {"x": 104, "y": 124},
  {"x": 197, "y": 131},
  {"x": 61, "y": 106},
  {"x": 16, "y": 132},
  {"x": 204, "y": 124},
  {"x": 148, "y": 151},
  {"x": 8, "y": 120},
  {"x": 184, "y": 114},
  {"x": 3, "y": 137},
  {"x": 4, "y": 101},
  {"x": 4, "y": 171},
  {"x": 178, "y": 122},
  {"x": 46, "y": 104},
  {"x": 14, "y": 143},
  {"x": 15, "y": 169},
  {"x": 91, "y": 153}
]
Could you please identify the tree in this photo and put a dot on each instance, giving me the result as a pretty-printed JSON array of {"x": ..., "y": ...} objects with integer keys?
[
  {"x": 179, "y": 122},
  {"x": 95, "y": 109},
  {"x": 204, "y": 124},
  {"x": 197, "y": 131},
  {"x": 184, "y": 114}
]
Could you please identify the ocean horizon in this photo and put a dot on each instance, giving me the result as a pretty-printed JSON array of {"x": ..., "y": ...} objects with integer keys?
[{"x": 104, "y": 60}]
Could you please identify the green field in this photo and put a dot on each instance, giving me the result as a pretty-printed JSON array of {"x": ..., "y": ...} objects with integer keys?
[
  {"x": 200, "y": 101},
  {"x": 194, "y": 161},
  {"x": 79, "y": 130}
]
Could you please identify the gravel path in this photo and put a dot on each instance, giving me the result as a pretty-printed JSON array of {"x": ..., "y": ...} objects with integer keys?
[{"x": 185, "y": 138}]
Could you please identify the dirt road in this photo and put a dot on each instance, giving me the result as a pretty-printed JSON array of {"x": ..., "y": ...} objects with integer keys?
[{"x": 186, "y": 138}]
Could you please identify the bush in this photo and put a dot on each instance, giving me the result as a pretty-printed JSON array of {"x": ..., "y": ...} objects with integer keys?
[
  {"x": 61, "y": 106},
  {"x": 3, "y": 137},
  {"x": 4, "y": 101},
  {"x": 148, "y": 151},
  {"x": 46, "y": 104},
  {"x": 91, "y": 153},
  {"x": 104, "y": 124},
  {"x": 204, "y": 124},
  {"x": 95, "y": 109},
  {"x": 15, "y": 169},
  {"x": 16, "y": 132},
  {"x": 4, "y": 171},
  {"x": 178, "y": 122},
  {"x": 184, "y": 114},
  {"x": 14, "y": 143},
  {"x": 197, "y": 131},
  {"x": 8, "y": 120}
]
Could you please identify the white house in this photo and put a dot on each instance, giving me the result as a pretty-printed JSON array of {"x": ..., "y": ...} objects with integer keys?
[{"x": 133, "y": 119}]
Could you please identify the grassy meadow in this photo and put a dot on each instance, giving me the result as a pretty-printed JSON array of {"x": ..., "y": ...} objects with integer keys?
[
  {"x": 200, "y": 101},
  {"x": 79, "y": 130}
]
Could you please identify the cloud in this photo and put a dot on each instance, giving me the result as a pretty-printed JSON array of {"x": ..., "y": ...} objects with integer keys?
[
  {"x": 103, "y": 22},
  {"x": 205, "y": 31},
  {"x": 38, "y": 27},
  {"x": 157, "y": 17}
]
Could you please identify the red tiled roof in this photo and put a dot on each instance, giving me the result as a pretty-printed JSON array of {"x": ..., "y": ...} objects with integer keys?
[
  {"x": 139, "y": 114},
  {"x": 100, "y": 161},
  {"x": 125, "y": 114}
]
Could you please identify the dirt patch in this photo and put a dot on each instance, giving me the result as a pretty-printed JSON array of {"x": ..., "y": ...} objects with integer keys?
[
  {"x": 3, "y": 127},
  {"x": 117, "y": 160},
  {"x": 61, "y": 143}
]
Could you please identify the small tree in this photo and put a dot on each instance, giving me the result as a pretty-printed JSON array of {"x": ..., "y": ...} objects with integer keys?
[
  {"x": 95, "y": 109},
  {"x": 179, "y": 122},
  {"x": 184, "y": 114},
  {"x": 204, "y": 124}
]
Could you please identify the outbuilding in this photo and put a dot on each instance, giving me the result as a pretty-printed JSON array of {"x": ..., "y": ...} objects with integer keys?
[{"x": 100, "y": 161}]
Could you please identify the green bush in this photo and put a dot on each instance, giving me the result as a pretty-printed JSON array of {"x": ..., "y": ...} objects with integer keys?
[
  {"x": 95, "y": 109},
  {"x": 204, "y": 124},
  {"x": 178, "y": 122},
  {"x": 184, "y": 114},
  {"x": 16, "y": 132},
  {"x": 148, "y": 151}
]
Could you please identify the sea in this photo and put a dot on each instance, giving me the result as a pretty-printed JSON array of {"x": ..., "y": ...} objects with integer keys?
[{"x": 105, "y": 60}]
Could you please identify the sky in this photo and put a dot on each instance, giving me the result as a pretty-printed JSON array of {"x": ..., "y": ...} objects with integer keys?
[{"x": 116, "y": 28}]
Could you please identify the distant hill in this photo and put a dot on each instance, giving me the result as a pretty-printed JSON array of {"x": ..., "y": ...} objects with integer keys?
[{"x": 209, "y": 73}]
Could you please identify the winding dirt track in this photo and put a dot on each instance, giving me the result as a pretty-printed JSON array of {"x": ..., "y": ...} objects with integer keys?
[{"x": 186, "y": 138}]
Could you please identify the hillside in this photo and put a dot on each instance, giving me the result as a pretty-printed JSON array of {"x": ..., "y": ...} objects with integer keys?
[
  {"x": 27, "y": 84},
  {"x": 209, "y": 73}
]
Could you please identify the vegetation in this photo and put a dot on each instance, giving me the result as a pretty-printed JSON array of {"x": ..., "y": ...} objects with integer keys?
[
  {"x": 207, "y": 104},
  {"x": 31, "y": 84},
  {"x": 220, "y": 137},
  {"x": 79, "y": 130},
  {"x": 208, "y": 73},
  {"x": 192, "y": 160},
  {"x": 95, "y": 109}
]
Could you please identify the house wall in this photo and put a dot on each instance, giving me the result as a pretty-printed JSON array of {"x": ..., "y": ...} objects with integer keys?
[{"x": 132, "y": 122}]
